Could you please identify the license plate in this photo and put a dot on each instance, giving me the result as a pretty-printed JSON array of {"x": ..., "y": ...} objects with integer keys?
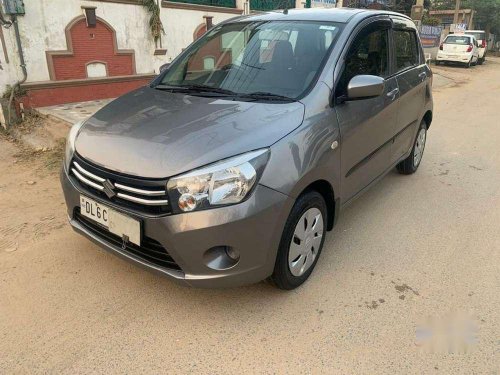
[{"x": 116, "y": 222}]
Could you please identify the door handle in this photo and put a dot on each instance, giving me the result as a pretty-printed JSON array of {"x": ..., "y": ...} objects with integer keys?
[
  {"x": 392, "y": 94},
  {"x": 422, "y": 76}
]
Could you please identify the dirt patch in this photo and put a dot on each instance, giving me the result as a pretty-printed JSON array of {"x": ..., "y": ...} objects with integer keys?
[
  {"x": 403, "y": 288},
  {"x": 451, "y": 76},
  {"x": 38, "y": 138},
  {"x": 30, "y": 197},
  {"x": 47, "y": 158},
  {"x": 40, "y": 132}
]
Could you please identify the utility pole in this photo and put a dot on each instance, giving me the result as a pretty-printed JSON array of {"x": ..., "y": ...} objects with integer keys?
[
  {"x": 457, "y": 8},
  {"x": 417, "y": 11}
]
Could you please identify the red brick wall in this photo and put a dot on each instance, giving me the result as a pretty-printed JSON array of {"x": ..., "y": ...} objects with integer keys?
[
  {"x": 41, "y": 97},
  {"x": 91, "y": 44},
  {"x": 202, "y": 29},
  {"x": 212, "y": 49}
]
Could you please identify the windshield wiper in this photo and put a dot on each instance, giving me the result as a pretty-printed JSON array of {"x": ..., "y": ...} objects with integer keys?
[
  {"x": 198, "y": 88},
  {"x": 260, "y": 95},
  {"x": 195, "y": 88},
  {"x": 166, "y": 87},
  {"x": 206, "y": 88},
  {"x": 253, "y": 66}
]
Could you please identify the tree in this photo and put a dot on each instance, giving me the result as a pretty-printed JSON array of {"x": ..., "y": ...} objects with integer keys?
[
  {"x": 443, "y": 4},
  {"x": 487, "y": 14},
  {"x": 404, "y": 6},
  {"x": 431, "y": 21}
]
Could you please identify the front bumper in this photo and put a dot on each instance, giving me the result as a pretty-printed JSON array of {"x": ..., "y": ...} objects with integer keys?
[{"x": 253, "y": 228}]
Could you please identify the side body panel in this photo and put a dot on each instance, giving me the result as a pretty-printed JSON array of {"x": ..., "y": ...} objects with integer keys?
[{"x": 306, "y": 155}]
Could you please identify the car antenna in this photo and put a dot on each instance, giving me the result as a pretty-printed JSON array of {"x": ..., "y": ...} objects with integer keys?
[{"x": 285, "y": 11}]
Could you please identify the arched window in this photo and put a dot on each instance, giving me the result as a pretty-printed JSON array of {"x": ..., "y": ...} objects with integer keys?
[
  {"x": 208, "y": 63},
  {"x": 96, "y": 69}
]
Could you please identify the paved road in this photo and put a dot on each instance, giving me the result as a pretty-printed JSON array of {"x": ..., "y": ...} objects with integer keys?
[{"x": 412, "y": 253}]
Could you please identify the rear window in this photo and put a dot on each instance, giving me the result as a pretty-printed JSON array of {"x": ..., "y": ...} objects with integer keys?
[{"x": 455, "y": 39}]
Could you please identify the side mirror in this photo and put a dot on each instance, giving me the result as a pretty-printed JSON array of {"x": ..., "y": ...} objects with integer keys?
[{"x": 364, "y": 87}]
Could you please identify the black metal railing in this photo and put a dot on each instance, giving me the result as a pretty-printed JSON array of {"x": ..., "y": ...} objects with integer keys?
[
  {"x": 214, "y": 3},
  {"x": 271, "y": 4}
]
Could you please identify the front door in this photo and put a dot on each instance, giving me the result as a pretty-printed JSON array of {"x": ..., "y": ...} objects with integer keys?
[{"x": 366, "y": 125}]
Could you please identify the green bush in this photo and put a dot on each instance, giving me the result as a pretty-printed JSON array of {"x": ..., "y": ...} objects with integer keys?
[{"x": 431, "y": 21}]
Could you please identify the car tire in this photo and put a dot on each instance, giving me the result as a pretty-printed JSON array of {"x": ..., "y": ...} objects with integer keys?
[
  {"x": 307, "y": 220},
  {"x": 467, "y": 66},
  {"x": 412, "y": 162},
  {"x": 438, "y": 62},
  {"x": 480, "y": 61}
]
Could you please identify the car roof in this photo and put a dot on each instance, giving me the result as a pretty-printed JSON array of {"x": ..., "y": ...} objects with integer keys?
[{"x": 342, "y": 15}]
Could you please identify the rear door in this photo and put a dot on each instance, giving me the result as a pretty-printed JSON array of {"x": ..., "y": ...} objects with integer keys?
[
  {"x": 366, "y": 125},
  {"x": 411, "y": 74}
]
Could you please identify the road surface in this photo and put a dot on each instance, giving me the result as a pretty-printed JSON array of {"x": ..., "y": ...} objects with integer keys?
[{"x": 411, "y": 255}]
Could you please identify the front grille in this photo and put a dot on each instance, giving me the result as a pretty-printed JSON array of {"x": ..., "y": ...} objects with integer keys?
[
  {"x": 150, "y": 249},
  {"x": 143, "y": 195}
]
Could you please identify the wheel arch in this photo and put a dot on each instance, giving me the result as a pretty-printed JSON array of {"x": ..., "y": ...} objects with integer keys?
[
  {"x": 324, "y": 188},
  {"x": 428, "y": 118}
]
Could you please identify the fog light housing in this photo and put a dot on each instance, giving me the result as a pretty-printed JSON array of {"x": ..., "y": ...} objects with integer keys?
[
  {"x": 221, "y": 257},
  {"x": 232, "y": 253}
]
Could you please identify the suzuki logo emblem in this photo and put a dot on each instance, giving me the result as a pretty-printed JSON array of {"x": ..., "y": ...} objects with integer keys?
[{"x": 109, "y": 189}]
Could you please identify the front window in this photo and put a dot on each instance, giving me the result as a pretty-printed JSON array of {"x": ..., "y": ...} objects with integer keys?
[
  {"x": 407, "y": 54},
  {"x": 368, "y": 54},
  {"x": 276, "y": 58}
]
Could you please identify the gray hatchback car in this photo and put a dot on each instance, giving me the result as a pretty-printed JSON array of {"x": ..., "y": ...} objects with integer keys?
[{"x": 231, "y": 166}]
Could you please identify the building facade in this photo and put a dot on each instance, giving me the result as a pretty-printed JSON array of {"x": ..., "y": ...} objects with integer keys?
[{"x": 446, "y": 17}]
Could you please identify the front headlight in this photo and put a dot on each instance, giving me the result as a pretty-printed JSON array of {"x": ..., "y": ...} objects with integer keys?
[
  {"x": 227, "y": 182},
  {"x": 70, "y": 143}
]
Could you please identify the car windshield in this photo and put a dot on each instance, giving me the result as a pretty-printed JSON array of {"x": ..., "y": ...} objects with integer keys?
[
  {"x": 455, "y": 39},
  {"x": 268, "y": 58}
]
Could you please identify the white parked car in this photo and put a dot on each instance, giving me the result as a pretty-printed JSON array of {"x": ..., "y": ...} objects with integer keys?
[
  {"x": 480, "y": 36},
  {"x": 459, "y": 48}
]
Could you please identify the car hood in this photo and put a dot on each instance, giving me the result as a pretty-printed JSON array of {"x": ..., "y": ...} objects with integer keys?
[{"x": 158, "y": 134}]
